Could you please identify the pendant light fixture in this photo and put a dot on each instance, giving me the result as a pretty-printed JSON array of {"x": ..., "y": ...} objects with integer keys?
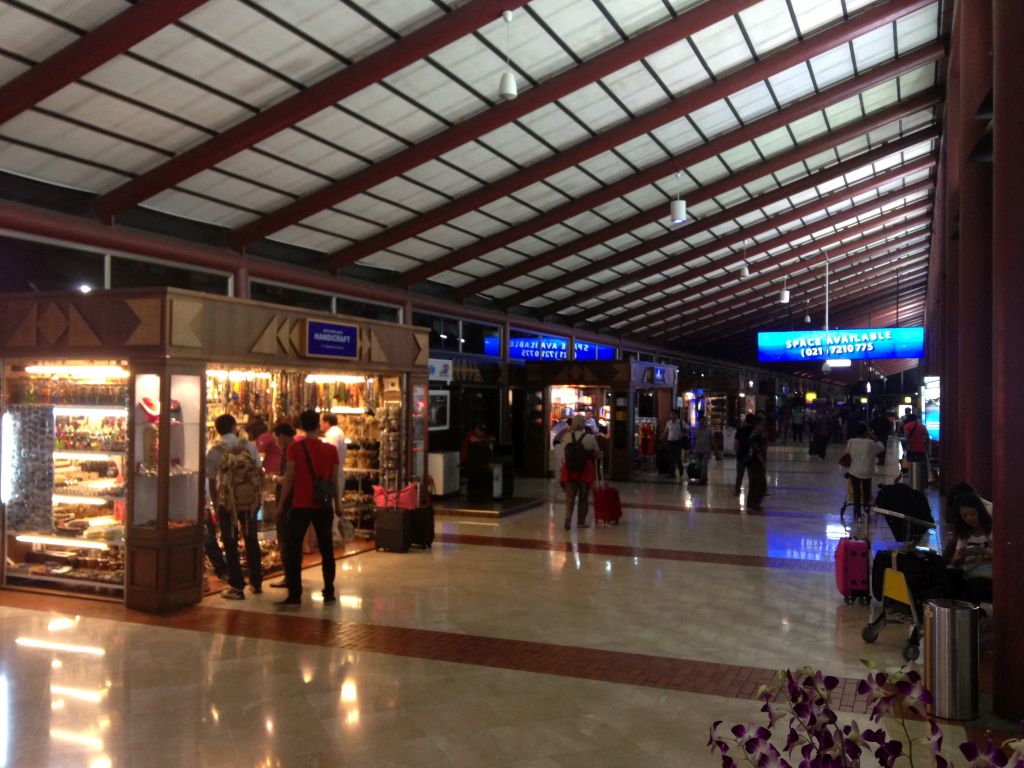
[
  {"x": 784, "y": 293},
  {"x": 677, "y": 208},
  {"x": 807, "y": 311},
  {"x": 744, "y": 270},
  {"x": 507, "y": 88}
]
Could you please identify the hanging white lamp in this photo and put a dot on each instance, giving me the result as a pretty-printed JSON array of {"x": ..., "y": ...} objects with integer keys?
[
  {"x": 807, "y": 311},
  {"x": 784, "y": 293},
  {"x": 744, "y": 270},
  {"x": 507, "y": 88},
  {"x": 677, "y": 207}
]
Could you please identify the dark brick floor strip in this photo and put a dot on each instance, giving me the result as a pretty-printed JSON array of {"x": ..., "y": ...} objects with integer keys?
[{"x": 656, "y": 553}]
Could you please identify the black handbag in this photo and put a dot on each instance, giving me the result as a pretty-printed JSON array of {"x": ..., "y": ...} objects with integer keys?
[{"x": 323, "y": 489}]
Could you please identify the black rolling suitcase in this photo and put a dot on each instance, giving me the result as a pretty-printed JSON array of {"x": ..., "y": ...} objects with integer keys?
[
  {"x": 693, "y": 472},
  {"x": 393, "y": 529},
  {"x": 422, "y": 526},
  {"x": 663, "y": 462}
]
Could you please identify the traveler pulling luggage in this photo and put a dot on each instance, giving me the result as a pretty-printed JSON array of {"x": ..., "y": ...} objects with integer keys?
[{"x": 607, "y": 505}]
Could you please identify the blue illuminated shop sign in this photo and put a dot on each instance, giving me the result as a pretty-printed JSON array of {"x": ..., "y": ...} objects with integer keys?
[
  {"x": 331, "y": 340},
  {"x": 542, "y": 348},
  {"x": 853, "y": 344},
  {"x": 588, "y": 350}
]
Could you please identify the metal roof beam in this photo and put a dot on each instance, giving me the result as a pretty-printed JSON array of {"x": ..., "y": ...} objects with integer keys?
[
  {"x": 748, "y": 132},
  {"x": 702, "y": 225},
  {"x": 321, "y": 95},
  {"x": 901, "y": 217},
  {"x": 740, "y": 236},
  {"x": 819, "y": 43},
  {"x": 94, "y": 48},
  {"x": 710, "y": 308},
  {"x": 490, "y": 119}
]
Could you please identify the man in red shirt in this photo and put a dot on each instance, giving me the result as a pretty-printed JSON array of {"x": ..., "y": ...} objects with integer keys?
[{"x": 302, "y": 456}]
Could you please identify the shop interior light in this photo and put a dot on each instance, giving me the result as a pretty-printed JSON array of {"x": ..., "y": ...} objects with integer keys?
[
  {"x": 91, "y": 454},
  {"x": 92, "y": 696},
  {"x": 334, "y": 378},
  {"x": 78, "y": 738},
  {"x": 6, "y": 457},
  {"x": 90, "y": 501},
  {"x": 840, "y": 363},
  {"x": 65, "y": 541},
  {"x": 351, "y": 410},
  {"x": 86, "y": 410},
  {"x": 50, "y": 645},
  {"x": 89, "y": 372},
  {"x": 239, "y": 375}
]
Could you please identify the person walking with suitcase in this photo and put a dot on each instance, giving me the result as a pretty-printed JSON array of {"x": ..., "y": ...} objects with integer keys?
[
  {"x": 863, "y": 452},
  {"x": 577, "y": 476}
]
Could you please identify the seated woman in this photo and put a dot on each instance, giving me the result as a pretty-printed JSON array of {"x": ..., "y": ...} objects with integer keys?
[{"x": 972, "y": 557}]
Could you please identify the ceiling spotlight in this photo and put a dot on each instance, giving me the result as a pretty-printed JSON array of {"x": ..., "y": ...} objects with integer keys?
[
  {"x": 784, "y": 293},
  {"x": 85, "y": 288},
  {"x": 677, "y": 207},
  {"x": 507, "y": 88}
]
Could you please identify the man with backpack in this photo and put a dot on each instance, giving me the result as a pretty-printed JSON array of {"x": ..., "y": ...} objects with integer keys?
[
  {"x": 235, "y": 478},
  {"x": 312, "y": 479},
  {"x": 580, "y": 451}
]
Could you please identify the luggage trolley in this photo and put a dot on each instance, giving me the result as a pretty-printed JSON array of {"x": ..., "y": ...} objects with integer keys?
[{"x": 899, "y": 604}]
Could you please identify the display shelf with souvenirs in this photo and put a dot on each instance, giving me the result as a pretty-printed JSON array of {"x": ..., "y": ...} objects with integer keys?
[{"x": 62, "y": 477}]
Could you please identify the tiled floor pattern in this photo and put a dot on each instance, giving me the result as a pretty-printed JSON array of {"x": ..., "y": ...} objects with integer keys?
[{"x": 510, "y": 643}]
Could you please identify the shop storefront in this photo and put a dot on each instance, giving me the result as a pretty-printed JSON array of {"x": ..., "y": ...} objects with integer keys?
[
  {"x": 716, "y": 402},
  {"x": 108, "y": 404},
  {"x": 628, "y": 401}
]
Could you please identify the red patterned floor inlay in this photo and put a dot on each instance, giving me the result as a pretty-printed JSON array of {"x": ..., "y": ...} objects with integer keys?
[
  {"x": 657, "y": 553},
  {"x": 566, "y": 661}
]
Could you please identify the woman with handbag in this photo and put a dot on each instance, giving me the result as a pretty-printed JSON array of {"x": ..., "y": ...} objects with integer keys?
[{"x": 860, "y": 458}]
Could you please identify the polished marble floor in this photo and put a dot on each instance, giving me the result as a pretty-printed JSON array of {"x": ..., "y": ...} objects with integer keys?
[{"x": 511, "y": 643}]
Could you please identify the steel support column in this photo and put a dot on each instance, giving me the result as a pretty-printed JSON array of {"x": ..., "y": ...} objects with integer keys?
[
  {"x": 1008, "y": 351},
  {"x": 974, "y": 287}
]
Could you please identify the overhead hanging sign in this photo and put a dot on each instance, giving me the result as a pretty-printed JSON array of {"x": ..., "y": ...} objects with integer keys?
[
  {"x": 852, "y": 344},
  {"x": 331, "y": 340}
]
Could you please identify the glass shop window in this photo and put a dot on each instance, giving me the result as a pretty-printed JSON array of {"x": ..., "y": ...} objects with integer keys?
[
  {"x": 368, "y": 309},
  {"x": 127, "y": 273},
  {"x": 444, "y": 331},
  {"x": 289, "y": 297},
  {"x": 29, "y": 267},
  {"x": 480, "y": 339}
]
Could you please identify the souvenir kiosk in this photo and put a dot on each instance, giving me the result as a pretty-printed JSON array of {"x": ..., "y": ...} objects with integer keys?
[
  {"x": 626, "y": 398},
  {"x": 716, "y": 401},
  {"x": 108, "y": 400}
]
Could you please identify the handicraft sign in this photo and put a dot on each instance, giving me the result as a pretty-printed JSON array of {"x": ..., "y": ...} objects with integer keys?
[{"x": 331, "y": 340}]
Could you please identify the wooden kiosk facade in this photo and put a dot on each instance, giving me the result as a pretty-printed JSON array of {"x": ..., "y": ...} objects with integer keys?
[
  {"x": 617, "y": 385},
  {"x": 107, "y": 410}
]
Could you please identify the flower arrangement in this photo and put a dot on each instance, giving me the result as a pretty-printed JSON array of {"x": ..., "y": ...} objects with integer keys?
[{"x": 800, "y": 701}]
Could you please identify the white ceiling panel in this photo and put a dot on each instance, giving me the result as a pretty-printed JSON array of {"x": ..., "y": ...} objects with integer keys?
[
  {"x": 722, "y": 46},
  {"x": 443, "y": 178},
  {"x": 880, "y": 97},
  {"x": 634, "y": 87},
  {"x": 918, "y": 28},
  {"x": 792, "y": 84},
  {"x": 196, "y": 208},
  {"x": 874, "y": 47},
  {"x": 768, "y": 25},
  {"x": 258, "y": 167},
  {"x": 679, "y": 68},
  {"x": 679, "y": 135},
  {"x": 634, "y": 16},
  {"x": 392, "y": 261},
  {"x": 512, "y": 141},
  {"x": 581, "y": 25},
  {"x": 918, "y": 80},
  {"x": 555, "y": 127},
  {"x": 375, "y": 105},
  {"x": 37, "y": 164},
  {"x": 240, "y": 193},
  {"x": 648, "y": 197},
  {"x": 344, "y": 130},
  {"x": 372, "y": 209},
  {"x": 339, "y": 27},
  {"x": 607, "y": 166},
  {"x": 708, "y": 170},
  {"x": 753, "y": 102},
  {"x": 482, "y": 164},
  {"x": 715, "y": 119},
  {"x": 424, "y": 84},
  {"x": 594, "y": 107},
  {"x": 572, "y": 182},
  {"x": 304, "y": 237},
  {"x": 807, "y": 128},
  {"x": 775, "y": 142},
  {"x": 843, "y": 112},
  {"x": 741, "y": 157},
  {"x": 37, "y": 39},
  {"x": 832, "y": 67},
  {"x": 641, "y": 151},
  {"x": 412, "y": 195},
  {"x": 541, "y": 196},
  {"x": 815, "y": 14},
  {"x": 344, "y": 225},
  {"x": 149, "y": 85},
  {"x": 294, "y": 146}
]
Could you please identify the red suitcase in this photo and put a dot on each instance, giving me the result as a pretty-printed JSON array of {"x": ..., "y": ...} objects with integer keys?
[
  {"x": 607, "y": 506},
  {"x": 853, "y": 568}
]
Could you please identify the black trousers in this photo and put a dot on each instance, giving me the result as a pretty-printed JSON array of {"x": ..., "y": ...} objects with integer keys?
[
  {"x": 861, "y": 494},
  {"x": 323, "y": 523}
]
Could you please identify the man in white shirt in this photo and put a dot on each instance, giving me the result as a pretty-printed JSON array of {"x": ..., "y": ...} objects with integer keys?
[
  {"x": 673, "y": 435},
  {"x": 331, "y": 433}
]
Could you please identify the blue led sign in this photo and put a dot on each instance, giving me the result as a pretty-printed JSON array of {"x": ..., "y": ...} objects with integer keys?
[
  {"x": 588, "y": 350},
  {"x": 331, "y": 340},
  {"x": 854, "y": 344},
  {"x": 543, "y": 348}
]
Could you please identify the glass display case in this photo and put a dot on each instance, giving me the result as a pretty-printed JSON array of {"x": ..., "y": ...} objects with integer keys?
[{"x": 62, "y": 475}]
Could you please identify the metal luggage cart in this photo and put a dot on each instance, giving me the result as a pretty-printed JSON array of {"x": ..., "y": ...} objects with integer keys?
[{"x": 899, "y": 605}]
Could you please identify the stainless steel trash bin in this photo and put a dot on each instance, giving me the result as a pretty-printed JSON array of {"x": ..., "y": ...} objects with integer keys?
[
  {"x": 951, "y": 658},
  {"x": 919, "y": 475}
]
